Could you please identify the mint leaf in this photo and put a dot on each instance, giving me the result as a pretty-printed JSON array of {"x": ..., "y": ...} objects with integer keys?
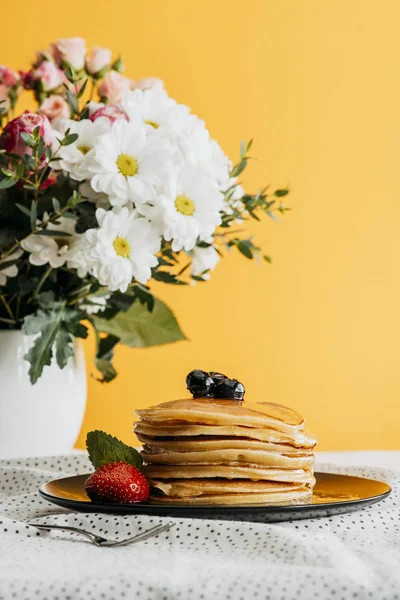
[{"x": 104, "y": 448}]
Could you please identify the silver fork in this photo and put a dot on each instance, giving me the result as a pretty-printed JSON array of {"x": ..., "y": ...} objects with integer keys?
[{"x": 103, "y": 542}]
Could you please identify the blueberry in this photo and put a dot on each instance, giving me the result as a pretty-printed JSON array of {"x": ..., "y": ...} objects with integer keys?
[
  {"x": 229, "y": 388},
  {"x": 199, "y": 383},
  {"x": 217, "y": 377}
]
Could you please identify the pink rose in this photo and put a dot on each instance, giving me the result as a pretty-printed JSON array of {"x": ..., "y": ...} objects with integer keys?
[
  {"x": 55, "y": 107},
  {"x": 113, "y": 87},
  {"x": 71, "y": 51},
  {"x": 47, "y": 73},
  {"x": 5, "y": 104},
  {"x": 26, "y": 123},
  {"x": 98, "y": 59},
  {"x": 148, "y": 82},
  {"x": 110, "y": 112},
  {"x": 8, "y": 77}
]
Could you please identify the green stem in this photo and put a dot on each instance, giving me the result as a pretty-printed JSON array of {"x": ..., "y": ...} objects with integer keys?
[
  {"x": 92, "y": 89},
  {"x": 7, "y": 307},
  {"x": 42, "y": 281}
]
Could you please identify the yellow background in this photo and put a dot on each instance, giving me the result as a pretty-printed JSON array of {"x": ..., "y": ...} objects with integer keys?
[{"x": 317, "y": 84}]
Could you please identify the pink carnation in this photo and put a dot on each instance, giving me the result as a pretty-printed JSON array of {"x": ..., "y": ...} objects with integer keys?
[
  {"x": 8, "y": 77},
  {"x": 98, "y": 59},
  {"x": 26, "y": 123},
  {"x": 71, "y": 51},
  {"x": 113, "y": 87},
  {"x": 4, "y": 99},
  {"x": 110, "y": 112},
  {"x": 55, "y": 107},
  {"x": 50, "y": 76}
]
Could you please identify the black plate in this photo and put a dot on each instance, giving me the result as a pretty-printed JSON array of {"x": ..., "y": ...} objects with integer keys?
[{"x": 332, "y": 495}]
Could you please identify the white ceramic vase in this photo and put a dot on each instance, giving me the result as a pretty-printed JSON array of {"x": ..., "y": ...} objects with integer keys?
[{"x": 42, "y": 419}]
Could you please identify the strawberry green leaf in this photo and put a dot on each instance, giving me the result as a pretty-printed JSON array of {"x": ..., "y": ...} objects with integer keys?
[{"x": 104, "y": 448}]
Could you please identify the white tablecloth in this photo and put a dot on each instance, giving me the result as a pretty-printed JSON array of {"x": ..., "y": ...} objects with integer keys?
[{"x": 353, "y": 556}]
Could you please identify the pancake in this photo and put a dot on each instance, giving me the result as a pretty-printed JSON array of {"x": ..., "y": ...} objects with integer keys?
[
  {"x": 202, "y": 443},
  {"x": 299, "y": 439},
  {"x": 225, "y": 412},
  {"x": 235, "y": 499},
  {"x": 209, "y": 451},
  {"x": 207, "y": 487},
  {"x": 244, "y": 471},
  {"x": 231, "y": 456}
]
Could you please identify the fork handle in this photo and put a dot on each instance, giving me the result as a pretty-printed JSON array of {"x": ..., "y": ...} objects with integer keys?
[
  {"x": 91, "y": 536},
  {"x": 145, "y": 535}
]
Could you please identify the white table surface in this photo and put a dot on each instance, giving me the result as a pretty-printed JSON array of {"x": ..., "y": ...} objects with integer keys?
[
  {"x": 389, "y": 459},
  {"x": 353, "y": 556}
]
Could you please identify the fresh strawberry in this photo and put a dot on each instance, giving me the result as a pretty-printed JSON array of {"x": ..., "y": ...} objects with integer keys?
[{"x": 117, "y": 482}]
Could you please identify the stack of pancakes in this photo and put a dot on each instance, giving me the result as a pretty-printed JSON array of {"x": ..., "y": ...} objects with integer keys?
[{"x": 209, "y": 451}]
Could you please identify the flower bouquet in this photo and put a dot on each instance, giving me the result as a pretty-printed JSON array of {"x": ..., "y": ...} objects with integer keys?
[{"x": 108, "y": 185}]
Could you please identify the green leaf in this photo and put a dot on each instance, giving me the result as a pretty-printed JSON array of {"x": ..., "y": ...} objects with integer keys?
[
  {"x": 140, "y": 328},
  {"x": 268, "y": 259},
  {"x": 64, "y": 347},
  {"x": 167, "y": 278},
  {"x": 244, "y": 249},
  {"x": 118, "y": 65},
  {"x": 82, "y": 90},
  {"x": 28, "y": 139},
  {"x": 104, "y": 449},
  {"x": 33, "y": 214},
  {"x": 106, "y": 369},
  {"x": 249, "y": 145},
  {"x": 144, "y": 297},
  {"x": 242, "y": 149},
  {"x": 105, "y": 345},
  {"x": 239, "y": 168},
  {"x": 85, "y": 113},
  {"x": 78, "y": 330},
  {"x": 281, "y": 193},
  {"x": 40, "y": 354},
  {"x": 70, "y": 139},
  {"x": 7, "y": 183},
  {"x": 56, "y": 205},
  {"x": 53, "y": 233},
  {"x": 40, "y": 147},
  {"x": 23, "y": 209}
]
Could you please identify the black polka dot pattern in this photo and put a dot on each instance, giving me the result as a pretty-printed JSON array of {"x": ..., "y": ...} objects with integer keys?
[{"x": 343, "y": 557}]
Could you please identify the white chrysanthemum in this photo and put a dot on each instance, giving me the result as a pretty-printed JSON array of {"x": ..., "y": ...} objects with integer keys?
[
  {"x": 157, "y": 112},
  {"x": 98, "y": 198},
  {"x": 219, "y": 166},
  {"x": 12, "y": 270},
  {"x": 94, "y": 303},
  {"x": 204, "y": 260},
  {"x": 54, "y": 251},
  {"x": 129, "y": 165},
  {"x": 77, "y": 158},
  {"x": 189, "y": 208},
  {"x": 194, "y": 146},
  {"x": 123, "y": 247}
]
